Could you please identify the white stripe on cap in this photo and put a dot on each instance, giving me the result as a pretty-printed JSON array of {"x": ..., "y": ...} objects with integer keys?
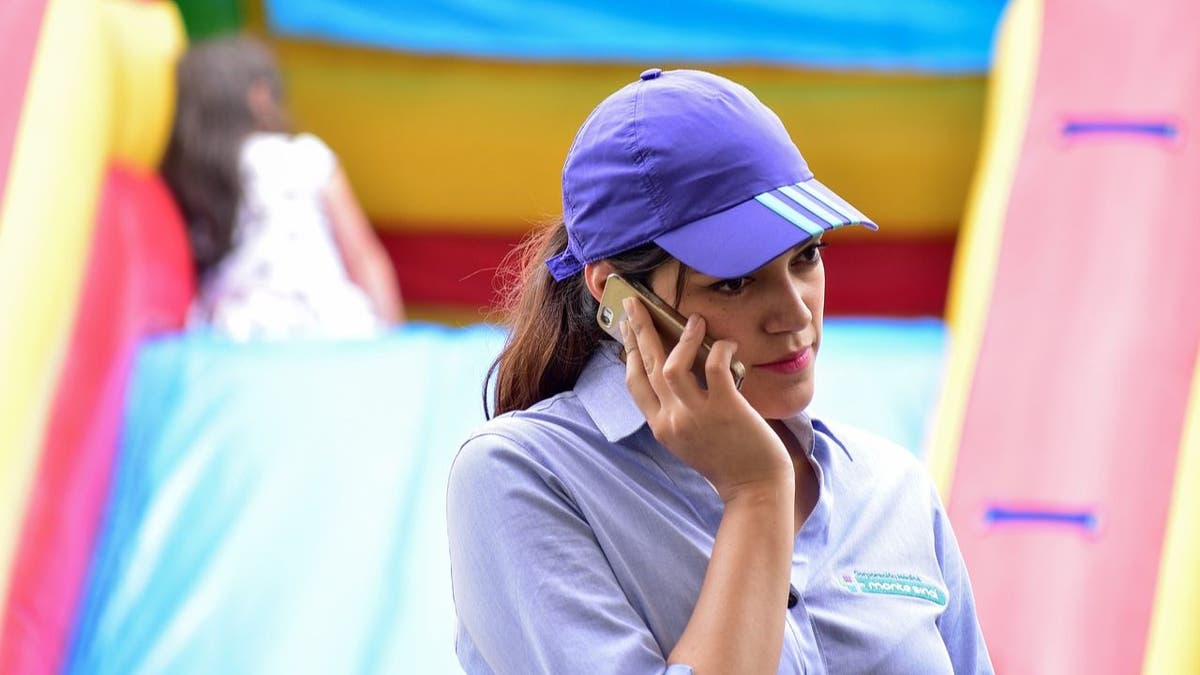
[
  {"x": 818, "y": 189},
  {"x": 792, "y": 215},
  {"x": 814, "y": 204}
]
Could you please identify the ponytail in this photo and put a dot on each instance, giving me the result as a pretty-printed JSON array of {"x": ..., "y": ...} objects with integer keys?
[{"x": 553, "y": 323}]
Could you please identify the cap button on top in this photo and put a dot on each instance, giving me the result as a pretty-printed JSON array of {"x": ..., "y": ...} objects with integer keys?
[{"x": 651, "y": 73}]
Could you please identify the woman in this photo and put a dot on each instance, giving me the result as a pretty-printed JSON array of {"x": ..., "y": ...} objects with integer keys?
[{"x": 616, "y": 516}]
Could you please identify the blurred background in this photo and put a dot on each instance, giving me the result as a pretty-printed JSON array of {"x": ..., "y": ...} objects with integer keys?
[
  {"x": 1024, "y": 320},
  {"x": 453, "y": 119}
]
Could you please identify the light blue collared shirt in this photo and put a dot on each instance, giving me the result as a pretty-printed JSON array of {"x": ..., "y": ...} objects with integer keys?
[{"x": 578, "y": 544}]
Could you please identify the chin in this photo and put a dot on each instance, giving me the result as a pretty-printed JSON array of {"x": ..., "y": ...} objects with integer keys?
[{"x": 778, "y": 405}]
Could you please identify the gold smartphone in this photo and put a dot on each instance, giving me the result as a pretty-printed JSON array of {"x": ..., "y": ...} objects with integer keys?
[{"x": 669, "y": 322}]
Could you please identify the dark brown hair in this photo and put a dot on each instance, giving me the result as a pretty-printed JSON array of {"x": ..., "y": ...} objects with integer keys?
[
  {"x": 553, "y": 323},
  {"x": 213, "y": 116}
]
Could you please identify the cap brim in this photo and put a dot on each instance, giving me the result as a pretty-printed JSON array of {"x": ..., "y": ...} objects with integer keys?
[{"x": 740, "y": 239}]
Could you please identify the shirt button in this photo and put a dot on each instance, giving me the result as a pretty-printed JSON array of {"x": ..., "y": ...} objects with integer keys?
[{"x": 651, "y": 73}]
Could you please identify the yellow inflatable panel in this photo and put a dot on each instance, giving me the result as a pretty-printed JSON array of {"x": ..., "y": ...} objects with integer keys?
[
  {"x": 45, "y": 228},
  {"x": 1171, "y": 646},
  {"x": 146, "y": 39},
  {"x": 478, "y": 146},
  {"x": 1009, "y": 100},
  {"x": 70, "y": 128}
]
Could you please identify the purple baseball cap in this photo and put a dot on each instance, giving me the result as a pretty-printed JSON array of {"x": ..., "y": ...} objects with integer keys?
[{"x": 698, "y": 165}]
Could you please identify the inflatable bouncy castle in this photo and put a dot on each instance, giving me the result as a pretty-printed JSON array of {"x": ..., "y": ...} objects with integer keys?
[
  {"x": 171, "y": 501},
  {"x": 1067, "y": 441}
]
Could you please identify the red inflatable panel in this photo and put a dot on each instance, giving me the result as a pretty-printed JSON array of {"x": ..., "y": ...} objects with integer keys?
[
  {"x": 139, "y": 281},
  {"x": 867, "y": 274},
  {"x": 20, "y": 27}
]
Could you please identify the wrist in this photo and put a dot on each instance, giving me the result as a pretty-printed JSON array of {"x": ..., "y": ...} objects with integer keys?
[{"x": 767, "y": 492}]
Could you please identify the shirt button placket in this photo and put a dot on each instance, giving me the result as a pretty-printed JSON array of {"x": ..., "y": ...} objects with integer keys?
[{"x": 801, "y": 623}]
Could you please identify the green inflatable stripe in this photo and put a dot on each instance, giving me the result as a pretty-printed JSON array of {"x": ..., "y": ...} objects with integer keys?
[{"x": 208, "y": 18}]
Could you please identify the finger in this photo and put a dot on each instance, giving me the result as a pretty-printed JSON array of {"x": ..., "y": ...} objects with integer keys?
[
  {"x": 635, "y": 375},
  {"x": 678, "y": 368},
  {"x": 716, "y": 368},
  {"x": 649, "y": 346}
]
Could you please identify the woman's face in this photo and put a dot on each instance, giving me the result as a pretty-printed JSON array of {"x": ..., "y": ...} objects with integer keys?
[{"x": 773, "y": 314}]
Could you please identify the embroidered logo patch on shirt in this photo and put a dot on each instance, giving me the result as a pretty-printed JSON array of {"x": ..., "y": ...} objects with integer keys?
[{"x": 890, "y": 583}]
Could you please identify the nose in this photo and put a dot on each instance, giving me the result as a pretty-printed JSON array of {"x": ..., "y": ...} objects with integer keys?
[{"x": 793, "y": 308}]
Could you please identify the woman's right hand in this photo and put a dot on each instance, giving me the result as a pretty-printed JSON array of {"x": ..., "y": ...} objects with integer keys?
[
  {"x": 737, "y": 623},
  {"x": 715, "y": 431}
]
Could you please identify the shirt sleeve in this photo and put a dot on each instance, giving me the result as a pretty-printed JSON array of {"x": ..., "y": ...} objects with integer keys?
[
  {"x": 958, "y": 624},
  {"x": 532, "y": 588},
  {"x": 317, "y": 159}
]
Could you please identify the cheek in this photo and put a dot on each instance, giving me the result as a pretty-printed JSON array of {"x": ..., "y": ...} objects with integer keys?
[
  {"x": 719, "y": 317},
  {"x": 815, "y": 299},
  {"x": 719, "y": 323}
]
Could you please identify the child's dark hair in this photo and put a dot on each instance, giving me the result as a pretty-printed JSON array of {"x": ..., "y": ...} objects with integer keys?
[
  {"x": 553, "y": 323},
  {"x": 213, "y": 116}
]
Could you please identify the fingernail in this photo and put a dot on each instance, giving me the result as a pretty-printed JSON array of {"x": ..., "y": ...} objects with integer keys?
[
  {"x": 693, "y": 323},
  {"x": 627, "y": 304}
]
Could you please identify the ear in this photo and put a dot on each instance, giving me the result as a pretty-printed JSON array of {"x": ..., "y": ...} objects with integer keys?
[{"x": 595, "y": 275}]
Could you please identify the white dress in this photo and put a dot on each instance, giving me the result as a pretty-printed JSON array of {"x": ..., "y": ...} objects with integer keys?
[{"x": 284, "y": 276}]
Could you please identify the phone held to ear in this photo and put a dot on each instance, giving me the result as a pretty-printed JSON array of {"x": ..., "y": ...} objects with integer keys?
[{"x": 669, "y": 322}]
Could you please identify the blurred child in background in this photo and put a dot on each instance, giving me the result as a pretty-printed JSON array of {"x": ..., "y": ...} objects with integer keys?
[{"x": 281, "y": 246}]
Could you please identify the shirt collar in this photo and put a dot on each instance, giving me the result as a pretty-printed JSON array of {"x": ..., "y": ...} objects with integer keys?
[
  {"x": 601, "y": 389},
  {"x": 802, "y": 428},
  {"x": 820, "y": 426}
]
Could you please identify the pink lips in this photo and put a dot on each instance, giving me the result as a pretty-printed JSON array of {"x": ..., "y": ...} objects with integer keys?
[{"x": 793, "y": 363}]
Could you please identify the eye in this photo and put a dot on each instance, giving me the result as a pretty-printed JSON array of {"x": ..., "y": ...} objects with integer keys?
[
  {"x": 809, "y": 255},
  {"x": 731, "y": 286}
]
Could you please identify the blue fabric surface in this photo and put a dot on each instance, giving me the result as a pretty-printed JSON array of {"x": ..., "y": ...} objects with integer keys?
[
  {"x": 281, "y": 508},
  {"x": 883, "y": 375},
  {"x": 924, "y": 35}
]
